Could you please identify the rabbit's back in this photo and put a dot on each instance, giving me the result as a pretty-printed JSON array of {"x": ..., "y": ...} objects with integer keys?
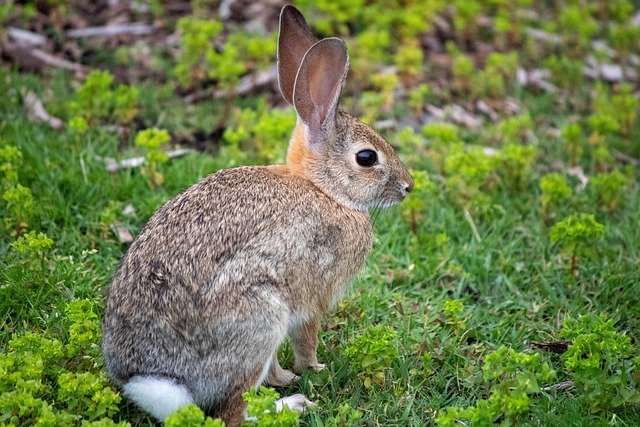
[{"x": 242, "y": 249}]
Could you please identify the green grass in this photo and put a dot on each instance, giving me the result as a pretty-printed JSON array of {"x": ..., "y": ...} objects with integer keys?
[{"x": 497, "y": 258}]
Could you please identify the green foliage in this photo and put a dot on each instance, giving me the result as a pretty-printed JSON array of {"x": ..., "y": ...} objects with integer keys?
[
  {"x": 608, "y": 188},
  {"x": 260, "y": 135},
  {"x": 385, "y": 83},
  {"x": 503, "y": 64},
  {"x": 78, "y": 124},
  {"x": 98, "y": 102},
  {"x": 463, "y": 71},
  {"x": 403, "y": 20},
  {"x": 19, "y": 203},
  {"x": 576, "y": 25},
  {"x": 510, "y": 22},
  {"x": 84, "y": 332},
  {"x": 516, "y": 129},
  {"x": 334, "y": 16},
  {"x": 613, "y": 113},
  {"x": 109, "y": 216},
  {"x": 514, "y": 377},
  {"x": 32, "y": 244},
  {"x": 624, "y": 38},
  {"x": 554, "y": 190},
  {"x": 577, "y": 229},
  {"x": 240, "y": 54},
  {"x": 346, "y": 417},
  {"x": 191, "y": 416},
  {"x": 372, "y": 353},
  {"x": 442, "y": 137},
  {"x": 197, "y": 38},
  {"x": 625, "y": 104},
  {"x": 491, "y": 82},
  {"x": 515, "y": 163},
  {"x": 409, "y": 59},
  {"x": 469, "y": 172},
  {"x": 453, "y": 311},
  {"x": 565, "y": 72},
  {"x": 572, "y": 133},
  {"x": 9, "y": 164},
  {"x": 465, "y": 16},
  {"x": 418, "y": 201},
  {"x": 47, "y": 381},
  {"x": 87, "y": 393},
  {"x": 152, "y": 139},
  {"x": 604, "y": 362},
  {"x": 262, "y": 407},
  {"x": 199, "y": 59},
  {"x": 418, "y": 97},
  {"x": 576, "y": 233}
]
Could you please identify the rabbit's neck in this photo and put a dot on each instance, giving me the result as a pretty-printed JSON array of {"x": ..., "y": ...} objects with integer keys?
[{"x": 298, "y": 153}]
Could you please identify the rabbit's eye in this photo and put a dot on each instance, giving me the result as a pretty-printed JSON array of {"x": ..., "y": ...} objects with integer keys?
[{"x": 366, "y": 158}]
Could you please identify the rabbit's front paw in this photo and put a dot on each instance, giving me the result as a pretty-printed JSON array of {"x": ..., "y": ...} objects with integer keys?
[{"x": 297, "y": 402}]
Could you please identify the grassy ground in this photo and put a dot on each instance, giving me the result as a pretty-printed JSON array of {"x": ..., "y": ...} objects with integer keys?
[{"x": 459, "y": 270}]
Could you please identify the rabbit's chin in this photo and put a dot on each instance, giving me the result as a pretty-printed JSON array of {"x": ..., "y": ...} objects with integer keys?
[
  {"x": 379, "y": 204},
  {"x": 384, "y": 204}
]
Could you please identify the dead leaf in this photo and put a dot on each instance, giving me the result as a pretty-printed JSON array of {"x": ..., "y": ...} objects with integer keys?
[
  {"x": 37, "y": 113},
  {"x": 579, "y": 173},
  {"x": 456, "y": 114},
  {"x": 123, "y": 234}
]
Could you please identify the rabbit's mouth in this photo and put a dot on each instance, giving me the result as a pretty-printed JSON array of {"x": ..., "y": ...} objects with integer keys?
[{"x": 391, "y": 197}]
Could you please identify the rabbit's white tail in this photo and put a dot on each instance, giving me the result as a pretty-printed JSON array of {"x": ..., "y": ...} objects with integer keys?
[{"x": 159, "y": 396}]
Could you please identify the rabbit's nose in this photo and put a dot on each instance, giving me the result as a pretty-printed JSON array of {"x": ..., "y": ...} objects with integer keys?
[
  {"x": 408, "y": 187},
  {"x": 408, "y": 184}
]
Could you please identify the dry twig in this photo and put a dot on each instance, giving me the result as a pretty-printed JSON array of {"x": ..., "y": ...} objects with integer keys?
[{"x": 37, "y": 113}]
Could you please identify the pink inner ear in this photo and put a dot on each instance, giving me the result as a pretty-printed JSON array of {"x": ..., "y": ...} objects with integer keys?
[
  {"x": 325, "y": 83},
  {"x": 318, "y": 84}
]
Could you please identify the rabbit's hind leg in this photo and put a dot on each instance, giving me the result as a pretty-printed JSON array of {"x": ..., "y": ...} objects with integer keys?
[
  {"x": 157, "y": 395},
  {"x": 277, "y": 376}
]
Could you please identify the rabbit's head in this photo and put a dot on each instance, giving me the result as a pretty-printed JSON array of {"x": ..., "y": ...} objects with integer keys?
[{"x": 341, "y": 155}]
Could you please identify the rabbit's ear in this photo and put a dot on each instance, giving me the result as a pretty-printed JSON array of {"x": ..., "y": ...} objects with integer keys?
[
  {"x": 318, "y": 85},
  {"x": 294, "y": 40}
]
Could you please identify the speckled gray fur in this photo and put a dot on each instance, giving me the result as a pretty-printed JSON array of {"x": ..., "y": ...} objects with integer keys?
[{"x": 217, "y": 273}]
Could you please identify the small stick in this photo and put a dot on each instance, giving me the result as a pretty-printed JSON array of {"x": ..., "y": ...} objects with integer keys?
[
  {"x": 246, "y": 84},
  {"x": 558, "y": 387},
  {"x": 132, "y": 28},
  {"x": 134, "y": 162}
]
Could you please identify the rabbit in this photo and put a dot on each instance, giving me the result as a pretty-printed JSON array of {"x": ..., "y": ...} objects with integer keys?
[{"x": 224, "y": 272}]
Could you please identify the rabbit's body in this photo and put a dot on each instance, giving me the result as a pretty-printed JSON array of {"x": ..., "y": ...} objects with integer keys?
[
  {"x": 225, "y": 271},
  {"x": 193, "y": 287}
]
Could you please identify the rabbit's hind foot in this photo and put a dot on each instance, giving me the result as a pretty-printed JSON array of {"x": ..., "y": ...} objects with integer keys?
[
  {"x": 297, "y": 402},
  {"x": 278, "y": 377},
  {"x": 159, "y": 396}
]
